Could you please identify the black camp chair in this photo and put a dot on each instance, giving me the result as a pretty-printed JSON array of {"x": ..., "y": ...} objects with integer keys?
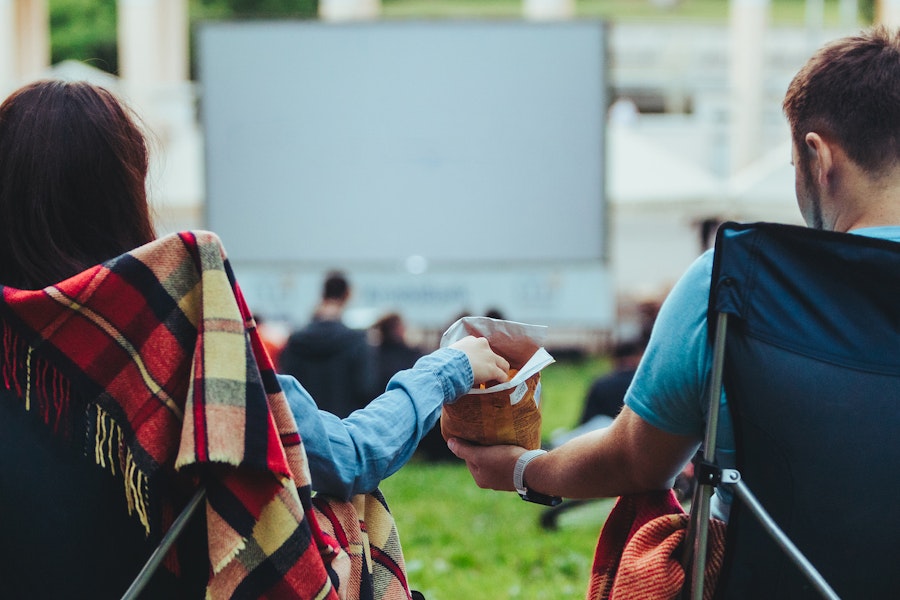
[
  {"x": 807, "y": 346},
  {"x": 145, "y": 575}
]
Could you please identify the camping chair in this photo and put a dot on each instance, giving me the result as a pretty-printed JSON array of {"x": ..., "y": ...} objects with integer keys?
[
  {"x": 807, "y": 347},
  {"x": 159, "y": 553}
]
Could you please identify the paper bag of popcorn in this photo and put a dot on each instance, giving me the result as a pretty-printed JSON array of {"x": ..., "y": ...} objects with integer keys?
[{"x": 507, "y": 412}]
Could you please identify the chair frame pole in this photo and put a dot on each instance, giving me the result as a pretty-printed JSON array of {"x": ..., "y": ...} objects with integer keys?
[
  {"x": 149, "y": 568},
  {"x": 783, "y": 541},
  {"x": 700, "y": 513}
]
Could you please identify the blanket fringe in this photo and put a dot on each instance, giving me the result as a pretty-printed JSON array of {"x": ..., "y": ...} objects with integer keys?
[
  {"x": 46, "y": 391},
  {"x": 37, "y": 382},
  {"x": 111, "y": 452}
]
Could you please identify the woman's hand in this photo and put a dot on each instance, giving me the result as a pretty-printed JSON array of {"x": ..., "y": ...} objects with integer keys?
[{"x": 486, "y": 364}]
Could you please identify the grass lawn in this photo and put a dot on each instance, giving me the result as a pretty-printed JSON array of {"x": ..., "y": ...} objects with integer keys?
[{"x": 464, "y": 542}]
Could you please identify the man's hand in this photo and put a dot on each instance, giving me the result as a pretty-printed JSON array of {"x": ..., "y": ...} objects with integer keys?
[
  {"x": 491, "y": 466},
  {"x": 628, "y": 456},
  {"x": 486, "y": 364}
]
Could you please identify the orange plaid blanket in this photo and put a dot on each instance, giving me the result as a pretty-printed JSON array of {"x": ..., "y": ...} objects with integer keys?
[{"x": 639, "y": 550}]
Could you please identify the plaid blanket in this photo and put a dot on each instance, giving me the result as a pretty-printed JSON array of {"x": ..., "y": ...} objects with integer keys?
[
  {"x": 159, "y": 348},
  {"x": 639, "y": 551}
]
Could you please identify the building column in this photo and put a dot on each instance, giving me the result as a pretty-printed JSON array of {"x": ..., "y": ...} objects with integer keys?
[
  {"x": 24, "y": 42},
  {"x": 139, "y": 33},
  {"x": 8, "y": 47},
  {"x": 887, "y": 12},
  {"x": 174, "y": 45},
  {"x": 34, "y": 37},
  {"x": 548, "y": 10},
  {"x": 153, "y": 43},
  {"x": 749, "y": 19},
  {"x": 349, "y": 10}
]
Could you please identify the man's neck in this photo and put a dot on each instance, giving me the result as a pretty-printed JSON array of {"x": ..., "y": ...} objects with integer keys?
[{"x": 865, "y": 201}]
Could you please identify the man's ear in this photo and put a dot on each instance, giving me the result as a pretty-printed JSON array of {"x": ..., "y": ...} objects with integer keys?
[{"x": 821, "y": 157}]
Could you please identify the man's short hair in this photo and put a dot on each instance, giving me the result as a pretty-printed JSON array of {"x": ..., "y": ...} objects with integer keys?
[
  {"x": 849, "y": 92},
  {"x": 336, "y": 286}
]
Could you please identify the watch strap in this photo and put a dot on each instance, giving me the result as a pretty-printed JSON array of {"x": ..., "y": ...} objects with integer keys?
[
  {"x": 519, "y": 480},
  {"x": 519, "y": 470}
]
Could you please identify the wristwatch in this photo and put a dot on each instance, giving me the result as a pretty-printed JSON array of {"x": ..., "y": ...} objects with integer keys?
[{"x": 519, "y": 480}]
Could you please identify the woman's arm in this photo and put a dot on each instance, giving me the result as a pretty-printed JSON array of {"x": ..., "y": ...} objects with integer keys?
[{"x": 353, "y": 455}]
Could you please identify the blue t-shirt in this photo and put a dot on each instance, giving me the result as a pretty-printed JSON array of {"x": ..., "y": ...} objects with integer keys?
[
  {"x": 670, "y": 388},
  {"x": 352, "y": 455}
]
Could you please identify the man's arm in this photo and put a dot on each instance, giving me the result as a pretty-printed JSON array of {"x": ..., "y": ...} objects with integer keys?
[
  {"x": 631, "y": 455},
  {"x": 628, "y": 456}
]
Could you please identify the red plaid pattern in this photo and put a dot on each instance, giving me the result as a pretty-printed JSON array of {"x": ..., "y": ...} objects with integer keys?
[{"x": 161, "y": 342}]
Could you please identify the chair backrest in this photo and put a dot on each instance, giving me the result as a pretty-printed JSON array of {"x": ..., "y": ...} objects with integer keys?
[{"x": 812, "y": 380}]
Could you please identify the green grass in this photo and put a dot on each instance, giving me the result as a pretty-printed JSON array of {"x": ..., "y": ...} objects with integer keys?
[{"x": 464, "y": 542}]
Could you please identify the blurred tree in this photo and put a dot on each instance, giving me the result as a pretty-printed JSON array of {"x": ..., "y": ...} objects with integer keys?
[
  {"x": 85, "y": 30},
  {"x": 867, "y": 10}
]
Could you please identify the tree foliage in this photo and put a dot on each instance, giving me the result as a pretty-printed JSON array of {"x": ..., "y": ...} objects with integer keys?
[{"x": 85, "y": 30}]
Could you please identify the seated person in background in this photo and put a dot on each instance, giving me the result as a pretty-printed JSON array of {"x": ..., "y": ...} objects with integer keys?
[
  {"x": 73, "y": 168},
  {"x": 606, "y": 395},
  {"x": 392, "y": 353}
]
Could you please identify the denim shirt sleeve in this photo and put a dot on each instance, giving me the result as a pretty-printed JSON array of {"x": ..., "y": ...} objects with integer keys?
[{"x": 353, "y": 455}]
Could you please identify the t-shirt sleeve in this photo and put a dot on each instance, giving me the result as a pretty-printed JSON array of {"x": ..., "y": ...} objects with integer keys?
[{"x": 669, "y": 388}]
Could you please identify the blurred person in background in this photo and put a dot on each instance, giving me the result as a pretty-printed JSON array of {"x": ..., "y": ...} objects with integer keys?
[
  {"x": 334, "y": 362},
  {"x": 393, "y": 353}
]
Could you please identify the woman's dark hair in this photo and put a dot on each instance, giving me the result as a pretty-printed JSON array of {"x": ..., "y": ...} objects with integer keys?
[{"x": 73, "y": 168}]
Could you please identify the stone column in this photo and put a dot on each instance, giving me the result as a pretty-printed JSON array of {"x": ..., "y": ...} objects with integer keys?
[
  {"x": 24, "y": 42},
  {"x": 174, "y": 46},
  {"x": 888, "y": 12},
  {"x": 548, "y": 10},
  {"x": 9, "y": 51},
  {"x": 34, "y": 37},
  {"x": 749, "y": 19},
  {"x": 349, "y": 10},
  {"x": 140, "y": 40}
]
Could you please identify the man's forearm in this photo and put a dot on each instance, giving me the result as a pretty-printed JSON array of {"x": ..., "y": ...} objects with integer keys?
[{"x": 628, "y": 456}]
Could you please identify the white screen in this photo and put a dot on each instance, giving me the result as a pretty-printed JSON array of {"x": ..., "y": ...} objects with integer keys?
[{"x": 370, "y": 143}]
